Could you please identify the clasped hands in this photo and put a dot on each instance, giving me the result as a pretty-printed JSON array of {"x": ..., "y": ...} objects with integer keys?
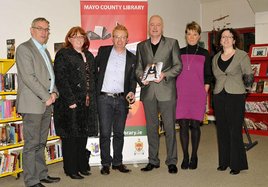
[{"x": 52, "y": 99}]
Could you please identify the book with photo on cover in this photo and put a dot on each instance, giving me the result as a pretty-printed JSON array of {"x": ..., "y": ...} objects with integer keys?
[
  {"x": 152, "y": 71},
  {"x": 265, "y": 87},
  {"x": 10, "y": 48},
  {"x": 256, "y": 69}
]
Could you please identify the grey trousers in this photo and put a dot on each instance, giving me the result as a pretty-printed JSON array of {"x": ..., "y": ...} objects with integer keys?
[
  {"x": 167, "y": 110},
  {"x": 35, "y": 132}
]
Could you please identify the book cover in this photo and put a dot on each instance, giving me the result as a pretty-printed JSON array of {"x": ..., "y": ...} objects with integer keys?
[
  {"x": 259, "y": 88},
  {"x": 253, "y": 87},
  {"x": 256, "y": 69},
  {"x": 152, "y": 71},
  {"x": 10, "y": 48},
  {"x": 265, "y": 87}
]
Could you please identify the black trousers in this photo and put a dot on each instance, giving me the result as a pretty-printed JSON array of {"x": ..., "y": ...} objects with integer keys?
[
  {"x": 74, "y": 155},
  {"x": 229, "y": 113}
]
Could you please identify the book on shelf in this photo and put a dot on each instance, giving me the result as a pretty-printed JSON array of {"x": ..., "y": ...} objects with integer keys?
[
  {"x": 265, "y": 87},
  {"x": 253, "y": 87},
  {"x": 256, "y": 69},
  {"x": 259, "y": 87},
  {"x": 152, "y": 72},
  {"x": 10, "y": 48}
]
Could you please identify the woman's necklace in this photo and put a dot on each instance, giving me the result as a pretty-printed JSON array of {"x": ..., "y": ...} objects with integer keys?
[{"x": 191, "y": 60}]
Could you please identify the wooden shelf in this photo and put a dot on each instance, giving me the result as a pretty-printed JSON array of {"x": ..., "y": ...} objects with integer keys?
[{"x": 5, "y": 65}]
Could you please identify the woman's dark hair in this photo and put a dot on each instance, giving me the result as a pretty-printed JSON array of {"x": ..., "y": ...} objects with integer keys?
[{"x": 236, "y": 38}]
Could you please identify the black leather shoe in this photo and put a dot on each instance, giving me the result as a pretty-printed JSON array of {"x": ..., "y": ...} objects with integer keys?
[
  {"x": 149, "y": 167},
  {"x": 86, "y": 173},
  {"x": 122, "y": 168},
  {"x": 185, "y": 163},
  {"x": 222, "y": 168},
  {"x": 234, "y": 172},
  {"x": 50, "y": 179},
  {"x": 172, "y": 168},
  {"x": 75, "y": 176},
  {"x": 105, "y": 170},
  {"x": 37, "y": 185},
  {"x": 193, "y": 163}
]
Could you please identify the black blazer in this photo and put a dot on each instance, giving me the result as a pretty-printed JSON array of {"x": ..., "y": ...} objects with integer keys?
[{"x": 101, "y": 61}]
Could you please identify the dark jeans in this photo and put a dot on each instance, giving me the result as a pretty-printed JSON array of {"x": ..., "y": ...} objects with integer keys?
[{"x": 112, "y": 115}]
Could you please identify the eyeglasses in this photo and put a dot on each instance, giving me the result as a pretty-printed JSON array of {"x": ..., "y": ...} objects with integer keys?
[
  {"x": 120, "y": 37},
  {"x": 226, "y": 37},
  {"x": 40, "y": 29},
  {"x": 78, "y": 37}
]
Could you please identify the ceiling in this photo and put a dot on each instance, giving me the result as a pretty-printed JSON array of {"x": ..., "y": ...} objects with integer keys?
[{"x": 256, "y": 5}]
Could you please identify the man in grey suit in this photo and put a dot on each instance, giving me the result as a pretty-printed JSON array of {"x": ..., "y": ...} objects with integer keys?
[
  {"x": 36, "y": 94},
  {"x": 159, "y": 96}
]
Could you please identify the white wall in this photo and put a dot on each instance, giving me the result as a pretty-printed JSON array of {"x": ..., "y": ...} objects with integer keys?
[
  {"x": 16, "y": 17},
  {"x": 239, "y": 11},
  {"x": 176, "y": 14},
  {"x": 261, "y": 27}
]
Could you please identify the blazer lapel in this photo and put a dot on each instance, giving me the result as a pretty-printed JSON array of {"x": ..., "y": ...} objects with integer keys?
[
  {"x": 148, "y": 46},
  {"x": 36, "y": 51}
]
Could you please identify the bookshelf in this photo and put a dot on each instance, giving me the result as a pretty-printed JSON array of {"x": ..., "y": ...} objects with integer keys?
[
  {"x": 11, "y": 141},
  {"x": 256, "y": 115}
]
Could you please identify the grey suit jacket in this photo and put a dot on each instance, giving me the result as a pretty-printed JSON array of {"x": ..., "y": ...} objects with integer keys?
[
  {"x": 167, "y": 52},
  {"x": 33, "y": 79},
  {"x": 232, "y": 79}
]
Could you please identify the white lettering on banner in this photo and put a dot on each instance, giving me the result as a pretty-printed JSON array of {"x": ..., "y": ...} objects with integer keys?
[
  {"x": 133, "y": 7},
  {"x": 133, "y": 133},
  {"x": 111, "y": 7},
  {"x": 91, "y": 7}
]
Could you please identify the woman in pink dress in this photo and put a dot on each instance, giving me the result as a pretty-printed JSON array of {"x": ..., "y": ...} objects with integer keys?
[{"x": 192, "y": 87}]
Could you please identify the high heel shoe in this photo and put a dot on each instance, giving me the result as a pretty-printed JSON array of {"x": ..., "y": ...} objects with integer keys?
[
  {"x": 86, "y": 173},
  {"x": 75, "y": 176},
  {"x": 234, "y": 172},
  {"x": 185, "y": 163},
  {"x": 193, "y": 163},
  {"x": 222, "y": 168}
]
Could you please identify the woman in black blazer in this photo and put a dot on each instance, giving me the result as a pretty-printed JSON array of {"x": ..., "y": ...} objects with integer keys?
[{"x": 75, "y": 110}]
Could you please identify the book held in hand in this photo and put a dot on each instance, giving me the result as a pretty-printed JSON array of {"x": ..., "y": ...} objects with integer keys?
[{"x": 152, "y": 71}]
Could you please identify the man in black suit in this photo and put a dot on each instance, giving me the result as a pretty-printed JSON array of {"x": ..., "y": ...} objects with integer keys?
[{"x": 116, "y": 86}]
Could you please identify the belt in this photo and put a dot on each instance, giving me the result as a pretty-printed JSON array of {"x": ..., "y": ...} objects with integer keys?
[{"x": 114, "y": 95}]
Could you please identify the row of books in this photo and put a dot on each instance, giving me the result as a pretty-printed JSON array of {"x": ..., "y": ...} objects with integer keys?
[
  {"x": 257, "y": 107},
  {"x": 53, "y": 151},
  {"x": 10, "y": 162},
  {"x": 8, "y": 109},
  {"x": 12, "y": 133},
  {"x": 256, "y": 125},
  {"x": 256, "y": 70},
  {"x": 8, "y": 82},
  {"x": 260, "y": 87}
]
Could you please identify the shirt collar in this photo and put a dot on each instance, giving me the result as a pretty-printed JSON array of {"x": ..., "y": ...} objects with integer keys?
[{"x": 38, "y": 45}]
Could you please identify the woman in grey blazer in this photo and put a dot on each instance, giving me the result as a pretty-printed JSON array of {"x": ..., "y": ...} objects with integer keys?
[{"x": 233, "y": 73}]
